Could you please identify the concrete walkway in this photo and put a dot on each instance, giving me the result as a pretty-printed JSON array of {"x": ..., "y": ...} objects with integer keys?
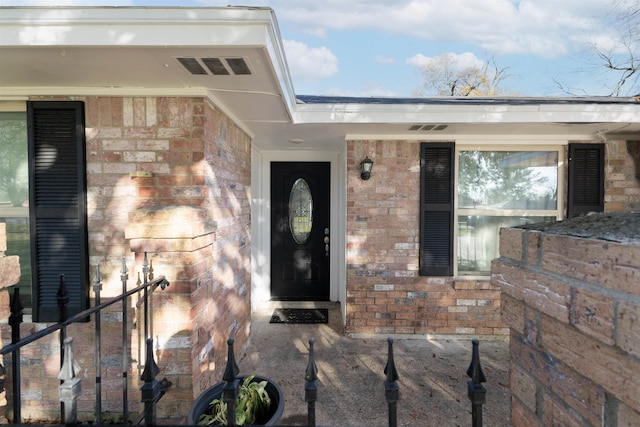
[{"x": 433, "y": 380}]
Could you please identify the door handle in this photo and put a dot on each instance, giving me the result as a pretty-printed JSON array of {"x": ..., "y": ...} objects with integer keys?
[{"x": 326, "y": 242}]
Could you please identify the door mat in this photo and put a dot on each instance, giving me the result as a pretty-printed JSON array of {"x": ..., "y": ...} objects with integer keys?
[{"x": 300, "y": 315}]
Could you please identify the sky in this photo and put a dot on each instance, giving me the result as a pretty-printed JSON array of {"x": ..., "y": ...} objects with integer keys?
[{"x": 376, "y": 47}]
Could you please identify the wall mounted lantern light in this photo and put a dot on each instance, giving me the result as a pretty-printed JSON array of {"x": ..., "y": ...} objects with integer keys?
[{"x": 365, "y": 168}]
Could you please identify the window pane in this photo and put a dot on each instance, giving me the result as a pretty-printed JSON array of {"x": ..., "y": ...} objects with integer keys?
[
  {"x": 14, "y": 194},
  {"x": 478, "y": 238},
  {"x": 300, "y": 211},
  {"x": 505, "y": 180}
]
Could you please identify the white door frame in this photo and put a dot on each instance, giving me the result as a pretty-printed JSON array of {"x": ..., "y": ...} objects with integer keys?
[{"x": 261, "y": 220}]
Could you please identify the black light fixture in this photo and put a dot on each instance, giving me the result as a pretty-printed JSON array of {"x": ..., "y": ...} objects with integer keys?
[{"x": 365, "y": 168}]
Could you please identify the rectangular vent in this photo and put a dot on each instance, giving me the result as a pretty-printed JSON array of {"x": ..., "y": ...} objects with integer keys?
[
  {"x": 238, "y": 66},
  {"x": 192, "y": 65},
  {"x": 428, "y": 127},
  {"x": 216, "y": 66}
]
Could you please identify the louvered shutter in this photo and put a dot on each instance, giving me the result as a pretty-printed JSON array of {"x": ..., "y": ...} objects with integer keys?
[
  {"x": 586, "y": 179},
  {"x": 57, "y": 206},
  {"x": 436, "y": 209}
]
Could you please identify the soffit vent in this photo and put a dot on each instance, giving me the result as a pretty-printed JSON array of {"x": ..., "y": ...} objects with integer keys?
[
  {"x": 216, "y": 66},
  {"x": 238, "y": 66},
  {"x": 192, "y": 66},
  {"x": 428, "y": 127}
]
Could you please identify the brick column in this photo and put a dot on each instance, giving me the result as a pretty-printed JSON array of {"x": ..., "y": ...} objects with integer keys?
[
  {"x": 179, "y": 242},
  {"x": 572, "y": 305}
]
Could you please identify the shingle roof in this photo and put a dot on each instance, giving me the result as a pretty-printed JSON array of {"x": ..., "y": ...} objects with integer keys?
[{"x": 467, "y": 100}]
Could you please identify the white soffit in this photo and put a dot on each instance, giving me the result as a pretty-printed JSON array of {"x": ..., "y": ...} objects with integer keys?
[{"x": 123, "y": 51}]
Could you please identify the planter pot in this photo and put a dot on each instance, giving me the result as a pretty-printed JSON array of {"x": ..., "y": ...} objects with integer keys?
[{"x": 202, "y": 403}]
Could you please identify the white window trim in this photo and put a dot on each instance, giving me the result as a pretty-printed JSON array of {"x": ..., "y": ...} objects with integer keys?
[{"x": 560, "y": 148}]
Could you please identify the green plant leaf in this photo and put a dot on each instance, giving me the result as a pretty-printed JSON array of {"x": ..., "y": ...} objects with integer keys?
[{"x": 252, "y": 401}]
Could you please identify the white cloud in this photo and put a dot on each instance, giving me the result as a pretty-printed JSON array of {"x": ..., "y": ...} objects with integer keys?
[
  {"x": 460, "y": 61},
  {"x": 383, "y": 59},
  {"x": 309, "y": 63},
  {"x": 546, "y": 28}
]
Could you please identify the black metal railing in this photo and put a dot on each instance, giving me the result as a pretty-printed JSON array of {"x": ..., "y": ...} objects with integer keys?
[
  {"x": 476, "y": 391},
  {"x": 153, "y": 390},
  {"x": 69, "y": 389}
]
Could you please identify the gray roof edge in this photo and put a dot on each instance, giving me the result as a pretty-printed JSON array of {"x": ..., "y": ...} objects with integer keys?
[{"x": 467, "y": 100}]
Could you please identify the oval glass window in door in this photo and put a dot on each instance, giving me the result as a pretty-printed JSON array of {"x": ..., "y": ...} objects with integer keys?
[{"x": 300, "y": 211}]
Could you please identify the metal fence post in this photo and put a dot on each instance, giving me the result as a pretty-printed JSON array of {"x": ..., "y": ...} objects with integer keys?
[
  {"x": 97, "y": 287},
  {"x": 151, "y": 387},
  {"x": 63, "y": 301},
  {"x": 15, "y": 319},
  {"x": 124, "y": 277},
  {"x": 477, "y": 393},
  {"x": 392, "y": 390},
  {"x": 70, "y": 387},
  {"x": 145, "y": 298},
  {"x": 232, "y": 384},
  {"x": 311, "y": 386}
]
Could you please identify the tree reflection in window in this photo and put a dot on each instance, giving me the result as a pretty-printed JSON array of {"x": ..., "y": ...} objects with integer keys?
[
  {"x": 508, "y": 180},
  {"x": 14, "y": 174},
  {"x": 501, "y": 189}
]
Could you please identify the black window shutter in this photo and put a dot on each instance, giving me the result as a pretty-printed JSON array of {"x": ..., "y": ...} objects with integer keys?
[
  {"x": 586, "y": 179},
  {"x": 57, "y": 206},
  {"x": 436, "y": 209}
]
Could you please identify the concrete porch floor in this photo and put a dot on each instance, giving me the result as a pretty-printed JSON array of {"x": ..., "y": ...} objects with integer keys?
[{"x": 433, "y": 380}]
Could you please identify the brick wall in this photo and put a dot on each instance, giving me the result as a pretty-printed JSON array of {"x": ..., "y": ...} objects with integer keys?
[
  {"x": 385, "y": 294},
  {"x": 573, "y": 307},
  {"x": 192, "y": 216},
  {"x": 622, "y": 188}
]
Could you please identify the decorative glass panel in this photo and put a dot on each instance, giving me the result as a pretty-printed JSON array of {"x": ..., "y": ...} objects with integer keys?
[{"x": 300, "y": 211}]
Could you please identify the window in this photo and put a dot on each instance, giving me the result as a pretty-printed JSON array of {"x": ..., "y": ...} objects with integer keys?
[
  {"x": 43, "y": 202},
  {"x": 501, "y": 189},
  {"x": 468, "y": 194},
  {"x": 14, "y": 193}
]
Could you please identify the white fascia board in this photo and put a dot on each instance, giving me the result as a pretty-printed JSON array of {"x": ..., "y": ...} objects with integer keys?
[
  {"x": 275, "y": 50},
  {"x": 476, "y": 113},
  {"x": 481, "y": 140},
  {"x": 104, "y": 26}
]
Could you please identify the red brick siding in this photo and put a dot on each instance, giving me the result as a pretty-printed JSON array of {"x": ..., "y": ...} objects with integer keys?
[
  {"x": 192, "y": 216},
  {"x": 385, "y": 294},
  {"x": 571, "y": 318},
  {"x": 622, "y": 186}
]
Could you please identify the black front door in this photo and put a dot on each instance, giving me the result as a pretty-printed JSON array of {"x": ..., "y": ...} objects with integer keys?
[{"x": 300, "y": 230}]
